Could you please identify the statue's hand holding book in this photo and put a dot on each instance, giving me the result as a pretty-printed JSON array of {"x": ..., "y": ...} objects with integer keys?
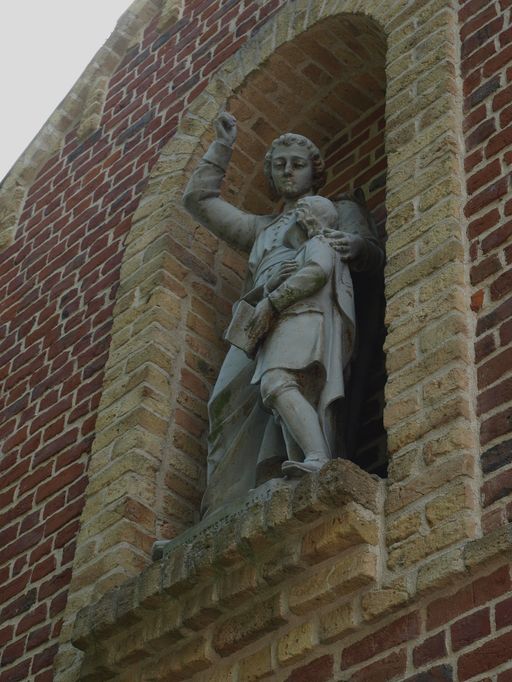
[{"x": 249, "y": 325}]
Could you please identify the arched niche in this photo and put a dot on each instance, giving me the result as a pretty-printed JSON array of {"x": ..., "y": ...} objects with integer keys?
[
  {"x": 177, "y": 281},
  {"x": 329, "y": 84}
]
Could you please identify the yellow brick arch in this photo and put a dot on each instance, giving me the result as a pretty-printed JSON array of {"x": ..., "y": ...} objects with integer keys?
[{"x": 425, "y": 283}]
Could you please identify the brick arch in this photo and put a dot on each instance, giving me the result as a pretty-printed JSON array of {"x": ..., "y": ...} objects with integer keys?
[
  {"x": 308, "y": 88},
  {"x": 172, "y": 297}
]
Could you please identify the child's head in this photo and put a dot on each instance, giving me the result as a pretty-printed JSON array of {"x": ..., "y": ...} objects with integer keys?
[{"x": 316, "y": 215}]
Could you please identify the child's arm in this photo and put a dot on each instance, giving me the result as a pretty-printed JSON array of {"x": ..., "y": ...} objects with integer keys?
[
  {"x": 309, "y": 277},
  {"x": 285, "y": 269}
]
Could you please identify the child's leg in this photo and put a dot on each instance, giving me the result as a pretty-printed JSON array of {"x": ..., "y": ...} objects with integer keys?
[{"x": 280, "y": 390}]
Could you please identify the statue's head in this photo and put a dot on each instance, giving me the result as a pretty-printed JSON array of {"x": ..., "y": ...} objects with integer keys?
[
  {"x": 323, "y": 212},
  {"x": 301, "y": 153}
]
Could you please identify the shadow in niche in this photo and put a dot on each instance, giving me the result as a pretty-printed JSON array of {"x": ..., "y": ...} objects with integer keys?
[
  {"x": 366, "y": 436},
  {"x": 329, "y": 85}
]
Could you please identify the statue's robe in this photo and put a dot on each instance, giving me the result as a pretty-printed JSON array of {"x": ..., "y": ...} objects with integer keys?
[{"x": 246, "y": 445}]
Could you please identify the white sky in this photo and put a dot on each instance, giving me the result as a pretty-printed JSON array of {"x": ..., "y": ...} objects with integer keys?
[{"x": 45, "y": 45}]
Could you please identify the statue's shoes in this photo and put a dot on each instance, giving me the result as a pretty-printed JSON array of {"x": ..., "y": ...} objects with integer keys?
[{"x": 309, "y": 466}]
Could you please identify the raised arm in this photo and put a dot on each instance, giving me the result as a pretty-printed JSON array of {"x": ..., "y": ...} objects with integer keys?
[{"x": 202, "y": 194}]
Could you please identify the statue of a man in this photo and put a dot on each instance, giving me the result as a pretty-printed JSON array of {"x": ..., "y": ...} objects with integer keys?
[{"x": 273, "y": 410}]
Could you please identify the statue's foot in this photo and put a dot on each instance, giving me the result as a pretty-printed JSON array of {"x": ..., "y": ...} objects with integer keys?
[{"x": 310, "y": 465}]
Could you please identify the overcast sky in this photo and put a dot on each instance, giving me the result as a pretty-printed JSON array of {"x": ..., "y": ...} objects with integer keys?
[{"x": 45, "y": 45}]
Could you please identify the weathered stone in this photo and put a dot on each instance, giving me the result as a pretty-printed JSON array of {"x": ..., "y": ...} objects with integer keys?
[
  {"x": 422, "y": 317},
  {"x": 175, "y": 577},
  {"x": 82, "y": 628},
  {"x": 498, "y": 543},
  {"x": 454, "y": 379},
  {"x": 419, "y": 547},
  {"x": 402, "y": 494},
  {"x": 278, "y": 510},
  {"x": 349, "y": 573},
  {"x": 342, "y": 481},
  {"x": 453, "y": 350},
  {"x": 237, "y": 585},
  {"x": 222, "y": 674},
  {"x": 379, "y": 603},
  {"x": 129, "y": 646},
  {"x": 285, "y": 564},
  {"x": 354, "y": 525},
  {"x": 400, "y": 356},
  {"x": 202, "y": 608},
  {"x": 337, "y": 623},
  {"x": 458, "y": 437},
  {"x": 252, "y": 529},
  {"x": 400, "y": 260},
  {"x": 306, "y": 505},
  {"x": 133, "y": 461},
  {"x": 260, "y": 619},
  {"x": 419, "y": 270},
  {"x": 163, "y": 628},
  {"x": 104, "y": 614},
  {"x": 257, "y": 666},
  {"x": 441, "y": 571},
  {"x": 404, "y": 464},
  {"x": 127, "y": 602},
  {"x": 398, "y": 410},
  {"x": 297, "y": 643},
  {"x": 403, "y": 527},
  {"x": 453, "y": 499}
]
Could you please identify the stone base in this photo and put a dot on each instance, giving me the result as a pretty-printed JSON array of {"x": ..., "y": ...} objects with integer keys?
[{"x": 242, "y": 572}]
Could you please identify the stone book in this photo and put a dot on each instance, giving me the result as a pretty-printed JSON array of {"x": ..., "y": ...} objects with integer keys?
[{"x": 239, "y": 331}]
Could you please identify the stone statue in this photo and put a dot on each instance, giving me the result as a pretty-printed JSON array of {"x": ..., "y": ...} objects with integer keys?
[{"x": 275, "y": 409}]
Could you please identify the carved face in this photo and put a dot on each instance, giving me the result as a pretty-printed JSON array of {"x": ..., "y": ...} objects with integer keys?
[{"x": 292, "y": 171}]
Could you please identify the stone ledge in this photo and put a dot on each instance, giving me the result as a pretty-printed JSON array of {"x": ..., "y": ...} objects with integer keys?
[
  {"x": 467, "y": 558},
  {"x": 492, "y": 546},
  {"x": 224, "y": 570},
  {"x": 290, "y": 550},
  {"x": 276, "y": 507},
  {"x": 448, "y": 567}
]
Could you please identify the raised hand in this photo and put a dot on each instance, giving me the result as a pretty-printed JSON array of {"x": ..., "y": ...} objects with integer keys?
[
  {"x": 225, "y": 128},
  {"x": 349, "y": 246}
]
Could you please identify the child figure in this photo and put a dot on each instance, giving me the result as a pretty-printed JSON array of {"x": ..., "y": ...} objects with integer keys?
[
  {"x": 317, "y": 216},
  {"x": 298, "y": 362}
]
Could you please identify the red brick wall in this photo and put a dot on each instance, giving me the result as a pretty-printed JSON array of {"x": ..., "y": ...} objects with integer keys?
[
  {"x": 486, "y": 50},
  {"x": 464, "y": 634},
  {"x": 57, "y": 286}
]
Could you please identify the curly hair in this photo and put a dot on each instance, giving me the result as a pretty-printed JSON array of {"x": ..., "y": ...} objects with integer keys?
[{"x": 316, "y": 159}]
